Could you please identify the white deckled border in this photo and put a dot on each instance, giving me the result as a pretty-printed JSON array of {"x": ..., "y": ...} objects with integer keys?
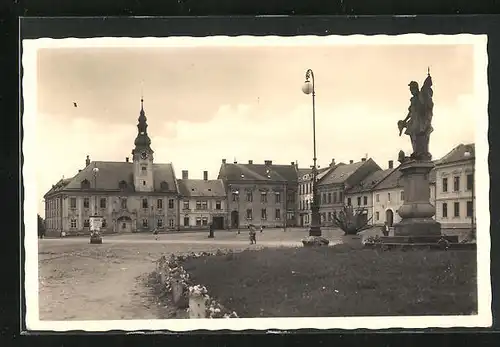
[{"x": 29, "y": 92}]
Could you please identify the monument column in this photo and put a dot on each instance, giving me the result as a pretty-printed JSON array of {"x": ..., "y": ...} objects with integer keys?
[{"x": 417, "y": 211}]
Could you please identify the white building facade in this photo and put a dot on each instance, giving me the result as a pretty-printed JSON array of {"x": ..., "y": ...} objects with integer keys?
[
  {"x": 455, "y": 197},
  {"x": 202, "y": 203}
]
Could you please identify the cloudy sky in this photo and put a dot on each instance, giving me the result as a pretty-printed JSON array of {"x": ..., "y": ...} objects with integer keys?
[{"x": 208, "y": 103}]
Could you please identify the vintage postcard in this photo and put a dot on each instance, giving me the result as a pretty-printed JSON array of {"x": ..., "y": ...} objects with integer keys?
[{"x": 239, "y": 183}]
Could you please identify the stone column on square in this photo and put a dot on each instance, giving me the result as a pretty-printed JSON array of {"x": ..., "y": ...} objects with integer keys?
[{"x": 417, "y": 211}]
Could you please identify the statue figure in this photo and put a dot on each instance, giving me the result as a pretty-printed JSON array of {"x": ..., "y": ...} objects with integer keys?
[{"x": 418, "y": 122}]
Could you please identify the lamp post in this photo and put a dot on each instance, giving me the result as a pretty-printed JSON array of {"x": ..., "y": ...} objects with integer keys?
[
  {"x": 95, "y": 225},
  {"x": 237, "y": 193},
  {"x": 95, "y": 171},
  {"x": 315, "y": 228},
  {"x": 285, "y": 202},
  {"x": 472, "y": 221}
]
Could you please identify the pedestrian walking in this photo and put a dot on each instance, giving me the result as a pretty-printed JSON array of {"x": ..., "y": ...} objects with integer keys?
[
  {"x": 385, "y": 229},
  {"x": 211, "y": 231},
  {"x": 261, "y": 229},
  {"x": 253, "y": 239},
  {"x": 155, "y": 233}
]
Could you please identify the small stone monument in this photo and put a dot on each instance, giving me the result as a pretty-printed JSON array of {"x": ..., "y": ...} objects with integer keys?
[
  {"x": 95, "y": 229},
  {"x": 197, "y": 302}
]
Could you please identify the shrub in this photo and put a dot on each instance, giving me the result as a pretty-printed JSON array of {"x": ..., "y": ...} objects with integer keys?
[{"x": 351, "y": 221}]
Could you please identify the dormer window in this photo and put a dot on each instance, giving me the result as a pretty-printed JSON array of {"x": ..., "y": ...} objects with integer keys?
[
  {"x": 85, "y": 184},
  {"x": 164, "y": 185},
  {"x": 122, "y": 184}
]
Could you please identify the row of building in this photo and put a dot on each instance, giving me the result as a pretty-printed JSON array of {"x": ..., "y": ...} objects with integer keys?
[
  {"x": 140, "y": 195},
  {"x": 379, "y": 193}
]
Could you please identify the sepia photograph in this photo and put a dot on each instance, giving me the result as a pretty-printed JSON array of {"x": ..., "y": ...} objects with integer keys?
[{"x": 247, "y": 182}]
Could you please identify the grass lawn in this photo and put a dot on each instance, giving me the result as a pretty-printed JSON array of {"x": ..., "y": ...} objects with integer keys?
[{"x": 335, "y": 281}]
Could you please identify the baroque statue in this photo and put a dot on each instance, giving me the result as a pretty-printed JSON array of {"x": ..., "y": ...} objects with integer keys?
[{"x": 418, "y": 122}]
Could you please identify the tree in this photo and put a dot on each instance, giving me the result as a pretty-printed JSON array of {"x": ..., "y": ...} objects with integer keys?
[{"x": 41, "y": 226}]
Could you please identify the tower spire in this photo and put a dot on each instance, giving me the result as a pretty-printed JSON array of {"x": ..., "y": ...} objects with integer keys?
[{"x": 142, "y": 141}]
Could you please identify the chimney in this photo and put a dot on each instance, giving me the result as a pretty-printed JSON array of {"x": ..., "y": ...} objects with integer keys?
[
  {"x": 87, "y": 161},
  {"x": 250, "y": 162},
  {"x": 363, "y": 159},
  {"x": 185, "y": 174},
  {"x": 391, "y": 164},
  {"x": 268, "y": 162},
  {"x": 235, "y": 162},
  {"x": 351, "y": 161},
  {"x": 205, "y": 175},
  {"x": 223, "y": 161},
  {"x": 332, "y": 164},
  {"x": 79, "y": 171},
  {"x": 292, "y": 163},
  {"x": 126, "y": 160}
]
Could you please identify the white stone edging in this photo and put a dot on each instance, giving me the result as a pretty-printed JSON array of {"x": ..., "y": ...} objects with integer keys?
[{"x": 175, "y": 279}]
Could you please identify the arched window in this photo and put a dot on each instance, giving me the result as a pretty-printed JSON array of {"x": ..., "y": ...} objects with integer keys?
[
  {"x": 122, "y": 184},
  {"x": 164, "y": 185},
  {"x": 85, "y": 184}
]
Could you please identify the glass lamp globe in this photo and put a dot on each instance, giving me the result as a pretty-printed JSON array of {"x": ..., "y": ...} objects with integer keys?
[{"x": 307, "y": 87}]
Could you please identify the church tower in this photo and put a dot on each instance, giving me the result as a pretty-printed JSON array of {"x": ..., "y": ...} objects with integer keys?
[{"x": 142, "y": 156}]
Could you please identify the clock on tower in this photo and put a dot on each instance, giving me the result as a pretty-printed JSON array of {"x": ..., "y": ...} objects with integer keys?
[{"x": 144, "y": 155}]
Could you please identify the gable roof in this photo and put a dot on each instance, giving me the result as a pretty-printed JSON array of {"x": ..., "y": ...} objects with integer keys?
[
  {"x": 341, "y": 172},
  {"x": 60, "y": 185},
  {"x": 201, "y": 188},
  {"x": 390, "y": 181},
  {"x": 306, "y": 172},
  {"x": 112, "y": 173},
  {"x": 458, "y": 154},
  {"x": 258, "y": 172},
  {"x": 370, "y": 181}
]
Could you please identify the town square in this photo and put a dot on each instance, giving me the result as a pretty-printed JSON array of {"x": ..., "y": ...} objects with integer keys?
[{"x": 209, "y": 197}]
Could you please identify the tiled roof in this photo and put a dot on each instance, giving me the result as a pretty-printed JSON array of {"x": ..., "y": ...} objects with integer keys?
[
  {"x": 59, "y": 186},
  {"x": 369, "y": 182},
  {"x": 302, "y": 172},
  {"x": 341, "y": 173},
  {"x": 458, "y": 154},
  {"x": 391, "y": 180},
  {"x": 321, "y": 172},
  {"x": 195, "y": 188},
  {"x": 112, "y": 173},
  {"x": 258, "y": 172}
]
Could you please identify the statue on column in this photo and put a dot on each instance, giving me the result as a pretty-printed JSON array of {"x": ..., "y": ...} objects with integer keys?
[{"x": 418, "y": 122}]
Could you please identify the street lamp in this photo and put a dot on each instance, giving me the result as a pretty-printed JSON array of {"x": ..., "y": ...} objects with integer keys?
[
  {"x": 315, "y": 228},
  {"x": 237, "y": 193},
  {"x": 96, "y": 221},
  {"x": 95, "y": 171}
]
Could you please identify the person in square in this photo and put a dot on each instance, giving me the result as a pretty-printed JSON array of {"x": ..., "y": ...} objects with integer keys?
[
  {"x": 385, "y": 229},
  {"x": 252, "y": 234}
]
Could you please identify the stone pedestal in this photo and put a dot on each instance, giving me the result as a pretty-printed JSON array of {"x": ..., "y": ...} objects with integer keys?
[
  {"x": 197, "y": 306},
  {"x": 417, "y": 211}
]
